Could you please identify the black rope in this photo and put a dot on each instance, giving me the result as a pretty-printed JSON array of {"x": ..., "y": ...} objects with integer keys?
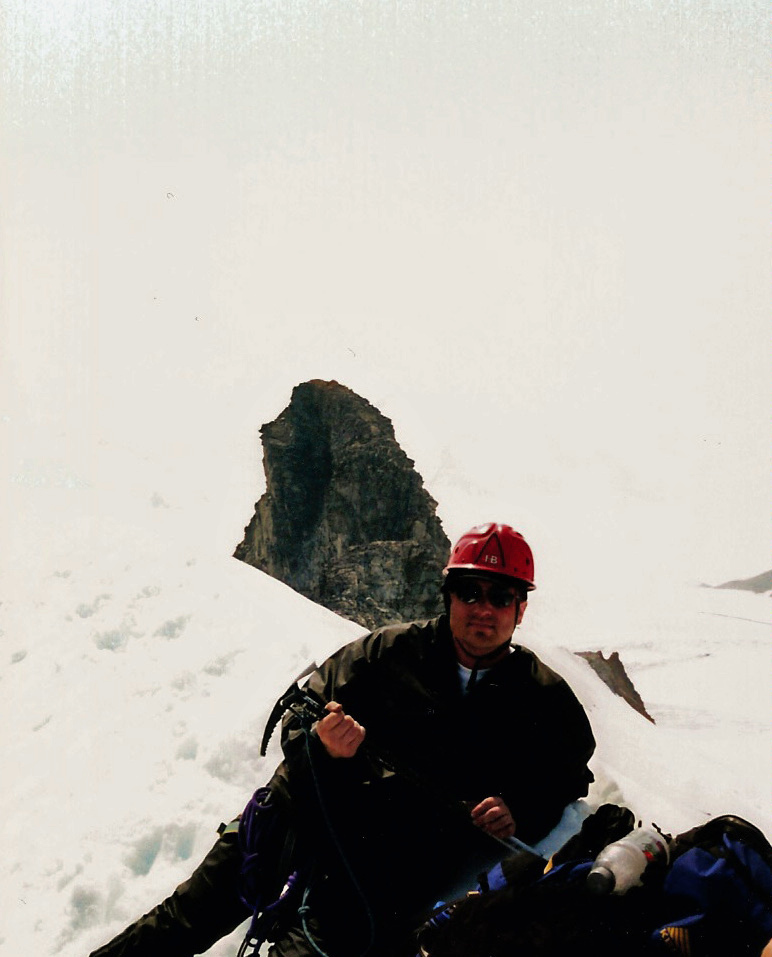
[{"x": 304, "y": 909}]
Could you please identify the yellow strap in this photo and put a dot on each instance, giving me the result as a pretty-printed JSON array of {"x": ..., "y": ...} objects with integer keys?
[
  {"x": 677, "y": 940},
  {"x": 229, "y": 828}
]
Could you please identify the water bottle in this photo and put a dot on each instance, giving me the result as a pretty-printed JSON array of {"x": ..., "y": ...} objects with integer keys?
[{"x": 620, "y": 865}]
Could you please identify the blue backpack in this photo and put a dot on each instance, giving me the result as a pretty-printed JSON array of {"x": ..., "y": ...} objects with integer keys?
[{"x": 713, "y": 900}]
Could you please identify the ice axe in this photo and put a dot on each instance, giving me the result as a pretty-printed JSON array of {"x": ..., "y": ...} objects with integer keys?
[{"x": 309, "y": 709}]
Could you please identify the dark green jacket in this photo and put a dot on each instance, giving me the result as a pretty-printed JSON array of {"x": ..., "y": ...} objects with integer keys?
[{"x": 520, "y": 733}]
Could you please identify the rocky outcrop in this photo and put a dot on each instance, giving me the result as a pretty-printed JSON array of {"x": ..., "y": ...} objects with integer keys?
[
  {"x": 345, "y": 519},
  {"x": 612, "y": 672},
  {"x": 760, "y": 584}
]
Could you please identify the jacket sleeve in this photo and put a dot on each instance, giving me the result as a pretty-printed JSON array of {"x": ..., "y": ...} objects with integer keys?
[
  {"x": 327, "y": 799},
  {"x": 201, "y": 911},
  {"x": 345, "y": 677}
]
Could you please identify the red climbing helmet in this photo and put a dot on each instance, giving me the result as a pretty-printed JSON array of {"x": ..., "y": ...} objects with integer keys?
[{"x": 493, "y": 549}]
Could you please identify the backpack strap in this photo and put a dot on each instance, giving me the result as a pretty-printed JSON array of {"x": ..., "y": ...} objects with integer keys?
[
  {"x": 268, "y": 884},
  {"x": 231, "y": 828}
]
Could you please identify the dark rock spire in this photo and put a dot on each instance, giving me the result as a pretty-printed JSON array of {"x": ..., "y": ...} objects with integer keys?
[{"x": 345, "y": 519}]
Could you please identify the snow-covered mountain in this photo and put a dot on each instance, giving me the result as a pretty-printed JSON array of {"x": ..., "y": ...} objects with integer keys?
[
  {"x": 139, "y": 670},
  {"x": 532, "y": 235}
]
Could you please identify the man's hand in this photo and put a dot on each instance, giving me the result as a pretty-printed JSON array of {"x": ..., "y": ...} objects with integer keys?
[
  {"x": 339, "y": 733},
  {"x": 493, "y": 816}
]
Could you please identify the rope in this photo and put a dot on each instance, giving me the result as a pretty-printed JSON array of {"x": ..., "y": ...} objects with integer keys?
[{"x": 303, "y": 910}]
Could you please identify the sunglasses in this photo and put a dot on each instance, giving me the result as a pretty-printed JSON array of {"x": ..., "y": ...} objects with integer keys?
[{"x": 473, "y": 593}]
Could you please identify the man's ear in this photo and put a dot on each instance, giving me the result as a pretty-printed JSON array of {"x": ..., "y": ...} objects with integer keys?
[{"x": 521, "y": 611}]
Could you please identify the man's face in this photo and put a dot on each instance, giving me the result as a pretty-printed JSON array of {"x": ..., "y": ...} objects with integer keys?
[{"x": 483, "y": 615}]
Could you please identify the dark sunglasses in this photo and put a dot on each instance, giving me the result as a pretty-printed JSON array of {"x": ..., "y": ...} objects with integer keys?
[{"x": 473, "y": 593}]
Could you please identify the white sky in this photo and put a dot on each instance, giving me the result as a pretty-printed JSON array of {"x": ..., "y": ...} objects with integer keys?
[{"x": 534, "y": 235}]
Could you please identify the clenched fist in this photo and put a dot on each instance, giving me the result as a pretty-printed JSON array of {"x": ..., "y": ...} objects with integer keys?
[
  {"x": 340, "y": 734},
  {"x": 493, "y": 816}
]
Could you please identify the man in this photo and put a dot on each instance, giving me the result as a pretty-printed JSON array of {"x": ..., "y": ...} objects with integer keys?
[
  {"x": 465, "y": 717},
  {"x": 441, "y": 739}
]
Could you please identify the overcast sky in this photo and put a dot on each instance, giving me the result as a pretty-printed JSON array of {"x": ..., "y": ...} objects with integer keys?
[{"x": 535, "y": 235}]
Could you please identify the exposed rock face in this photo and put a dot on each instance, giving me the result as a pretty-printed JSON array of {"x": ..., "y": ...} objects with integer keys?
[
  {"x": 345, "y": 519},
  {"x": 612, "y": 672},
  {"x": 759, "y": 583}
]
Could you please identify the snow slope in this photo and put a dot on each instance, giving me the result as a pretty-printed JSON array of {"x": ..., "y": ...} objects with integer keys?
[{"x": 139, "y": 670}]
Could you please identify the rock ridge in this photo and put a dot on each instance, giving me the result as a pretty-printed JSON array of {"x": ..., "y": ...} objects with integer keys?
[{"x": 612, "y": 672}]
